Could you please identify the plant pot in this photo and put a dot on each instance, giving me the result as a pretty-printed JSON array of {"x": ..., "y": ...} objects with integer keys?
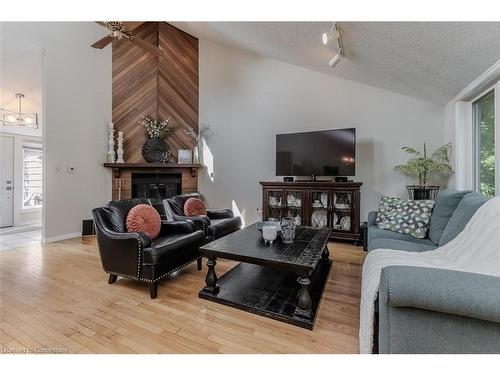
[
  {"x": 421, "y": 193},
  {"x": 156, "y": 150},
  {"x": 417, "y": 192}
]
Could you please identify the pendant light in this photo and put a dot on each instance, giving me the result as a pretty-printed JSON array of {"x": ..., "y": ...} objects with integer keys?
[{"x": 13, "y": 118}]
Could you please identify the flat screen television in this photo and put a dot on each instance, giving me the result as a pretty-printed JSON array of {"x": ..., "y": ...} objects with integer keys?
[{"x": 319, "y": 153}]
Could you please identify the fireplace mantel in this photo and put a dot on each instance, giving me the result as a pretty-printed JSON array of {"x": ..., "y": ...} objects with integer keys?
[{"x": 118, "y": 167}]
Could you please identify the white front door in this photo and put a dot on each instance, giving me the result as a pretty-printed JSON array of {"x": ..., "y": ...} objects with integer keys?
[{"x": 6, "y": 181}]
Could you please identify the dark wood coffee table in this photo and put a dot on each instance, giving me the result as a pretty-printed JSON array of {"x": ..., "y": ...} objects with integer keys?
[{"x": 279, "y": 281}]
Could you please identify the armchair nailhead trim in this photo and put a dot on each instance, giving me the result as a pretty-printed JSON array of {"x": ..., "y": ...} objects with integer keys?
[
  {"x": 156, "y": 279},
  {"x": 139, "y": 253}
]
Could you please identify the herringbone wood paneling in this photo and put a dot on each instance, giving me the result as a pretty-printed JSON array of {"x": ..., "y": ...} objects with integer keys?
[
  {"x": 135, "y": 89},
  {"x": 178, "y": 82},
  {"x": 166, "y": 86},
  {"x": 162, "y": 87}
]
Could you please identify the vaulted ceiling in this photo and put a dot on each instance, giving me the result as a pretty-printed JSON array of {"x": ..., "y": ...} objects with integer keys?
[{"x": 433, "y": 61}]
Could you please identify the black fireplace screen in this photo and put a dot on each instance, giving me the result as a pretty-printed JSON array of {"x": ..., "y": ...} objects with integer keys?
[{"x": 156, "y": 185}]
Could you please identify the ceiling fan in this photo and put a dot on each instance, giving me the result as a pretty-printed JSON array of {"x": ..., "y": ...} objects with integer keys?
[{"x": 119, "y": 31}]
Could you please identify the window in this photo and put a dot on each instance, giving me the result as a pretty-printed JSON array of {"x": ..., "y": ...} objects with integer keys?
[
  {"x": 483, "y": 111},
  {"x": 32, "y": 176}
]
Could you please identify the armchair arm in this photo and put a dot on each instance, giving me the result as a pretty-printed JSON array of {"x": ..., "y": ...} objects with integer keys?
[
  {"x": 219, "y": 213},
  {"x": 372, "y": 215},
  {"x": 120, "y": 253},
  {"x": 177, "y": 227},
  {"x": 452, "y": 292},
  {"x": 200, "y": 222}
]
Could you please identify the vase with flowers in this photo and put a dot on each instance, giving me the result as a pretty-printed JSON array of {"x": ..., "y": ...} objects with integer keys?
[
  {"x": 155, "y": 149},
  {"x": 205, "y": 133}
]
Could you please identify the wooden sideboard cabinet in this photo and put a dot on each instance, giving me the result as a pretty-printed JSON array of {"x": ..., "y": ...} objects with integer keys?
[{"x": 320, "y": 204}]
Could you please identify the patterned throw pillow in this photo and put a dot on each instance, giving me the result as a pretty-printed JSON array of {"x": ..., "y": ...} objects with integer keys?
[
  {"x": 405, "y": 216},
  {"x": 195, "y": 207},
  {"x": 144, "y": 218},
  {"x": 385, "y": 207}
]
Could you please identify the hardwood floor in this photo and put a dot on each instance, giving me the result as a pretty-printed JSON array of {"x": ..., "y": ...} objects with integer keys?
[{"x": 55, "y": 298}]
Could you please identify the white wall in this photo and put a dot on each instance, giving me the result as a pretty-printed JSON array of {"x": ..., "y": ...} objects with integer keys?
[
  {"x": 247, "y": 99},
  {"x": 77, "y": 108},
  {"x": 21, "y": 71}
]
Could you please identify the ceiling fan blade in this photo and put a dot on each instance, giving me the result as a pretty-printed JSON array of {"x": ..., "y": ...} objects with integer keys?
[
  {"x": 103, "y": 42},
  {"x": 147, "y": 46}
]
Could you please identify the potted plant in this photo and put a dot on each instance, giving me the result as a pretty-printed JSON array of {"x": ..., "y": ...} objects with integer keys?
[
  {"x": 422, "y": 165},
  {"x": 155, "y": 149}
]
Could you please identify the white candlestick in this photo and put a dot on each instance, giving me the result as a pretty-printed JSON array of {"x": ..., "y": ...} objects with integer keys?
[
  {"x": 119, "y": 150},
  {"x": 111, "y": 156}
]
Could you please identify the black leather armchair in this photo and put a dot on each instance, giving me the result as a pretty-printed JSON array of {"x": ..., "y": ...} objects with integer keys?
[
  {"x": 218, "y": 222},
  {"x": 135, "y": 255}
]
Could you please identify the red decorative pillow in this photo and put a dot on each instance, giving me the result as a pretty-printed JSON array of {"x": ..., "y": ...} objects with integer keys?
[
  {"x": 194, "y": 207},
  {"x": 144, "y": 218}
]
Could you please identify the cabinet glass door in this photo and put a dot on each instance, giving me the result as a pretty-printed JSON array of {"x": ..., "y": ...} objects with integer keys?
[
  {"x": 342, "y": 203},
  {"x": 275, "y": 202},
  {"x": 319, "y": 203},
  {"x": 293, "y": 205}
]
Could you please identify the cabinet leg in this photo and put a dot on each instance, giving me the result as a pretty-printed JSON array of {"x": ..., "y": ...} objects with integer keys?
[
  {"x": 112, "y": 279},
  {"x": 198, "y": 262},
  {"x": 211, "y": 279},
  {"x": 303, "y": 298}
]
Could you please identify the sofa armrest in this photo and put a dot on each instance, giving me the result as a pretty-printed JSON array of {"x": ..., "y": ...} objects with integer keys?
[
  {"x": 177, "y": 227},
  {"x": 219, "y": 213},
  {"x": 452, "y": 292},
  {"x": 200, "y": 222},
  {"x": 372, "y": 215}
]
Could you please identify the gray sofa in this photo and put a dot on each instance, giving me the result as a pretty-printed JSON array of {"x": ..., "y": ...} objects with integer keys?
[
  {"x": 426, "y": 310},
  {"x": 451, "y": 213}
]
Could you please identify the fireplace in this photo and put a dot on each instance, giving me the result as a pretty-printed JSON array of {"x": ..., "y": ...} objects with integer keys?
[{"x": 156, "y": 185}]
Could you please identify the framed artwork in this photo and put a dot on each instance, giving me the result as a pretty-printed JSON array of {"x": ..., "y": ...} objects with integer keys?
[{"x": 185, "y": 156}]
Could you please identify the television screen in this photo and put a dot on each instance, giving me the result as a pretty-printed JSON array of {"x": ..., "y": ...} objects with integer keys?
[{"x": 319, "y": 153}]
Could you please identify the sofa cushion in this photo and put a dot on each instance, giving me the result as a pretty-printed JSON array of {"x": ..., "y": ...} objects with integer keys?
[
  {"x": 221, "y": 227},
  {"x": 464, "y": 211},
  {"x": 171, "y": 247},
  {"x": 394, "y": 244},
  {"x": 446, "y": 203},
  {"x": 376, "y": 233},
  {"x": 408, "y": 217},
  {"x": 144, "y": 218}
]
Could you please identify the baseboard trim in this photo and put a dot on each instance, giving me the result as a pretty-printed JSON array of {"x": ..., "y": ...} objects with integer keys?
[{"x": 61, "y": 237}]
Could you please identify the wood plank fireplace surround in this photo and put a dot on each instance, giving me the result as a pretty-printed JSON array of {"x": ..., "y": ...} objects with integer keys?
[{"x": 165, "y": 86}]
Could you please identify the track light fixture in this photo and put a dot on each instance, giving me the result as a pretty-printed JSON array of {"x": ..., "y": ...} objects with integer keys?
[
  {"x": 335, "y": 59},
  {"x": 335, "y": 34},
  {"x": 330, "y": 35}
]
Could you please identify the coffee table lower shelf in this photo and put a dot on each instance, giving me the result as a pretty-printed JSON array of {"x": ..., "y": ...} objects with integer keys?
[{"x": 269, "y": 292}]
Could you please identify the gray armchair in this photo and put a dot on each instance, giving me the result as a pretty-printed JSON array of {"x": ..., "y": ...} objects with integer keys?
[{"x": 427, "y": 310}]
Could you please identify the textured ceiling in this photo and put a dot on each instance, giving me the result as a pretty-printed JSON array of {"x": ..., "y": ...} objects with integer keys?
[{"x": 433, "y": 61}]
